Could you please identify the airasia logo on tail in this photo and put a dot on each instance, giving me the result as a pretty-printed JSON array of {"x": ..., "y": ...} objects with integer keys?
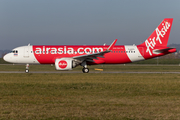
[
  {"x": 160, "y": 32},
  {"x": 62, "y": 64}
]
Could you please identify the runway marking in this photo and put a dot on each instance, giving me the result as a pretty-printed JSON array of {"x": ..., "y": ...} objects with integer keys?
[{"x": 98, "y": 69}]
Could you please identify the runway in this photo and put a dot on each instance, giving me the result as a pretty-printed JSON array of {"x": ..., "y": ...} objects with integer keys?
[{"x": 101, "y": 72}]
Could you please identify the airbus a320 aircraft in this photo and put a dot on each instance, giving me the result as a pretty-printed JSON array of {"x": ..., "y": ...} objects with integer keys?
[{"x": 66, "y": 57}]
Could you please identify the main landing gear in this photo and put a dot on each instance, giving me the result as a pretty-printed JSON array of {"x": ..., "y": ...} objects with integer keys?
[
  {"x": 27, "y": 68},
  {"x": 85, "y": 69}
]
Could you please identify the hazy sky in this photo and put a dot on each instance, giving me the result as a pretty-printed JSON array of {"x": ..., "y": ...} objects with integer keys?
[{"x": 73, "y": 22}]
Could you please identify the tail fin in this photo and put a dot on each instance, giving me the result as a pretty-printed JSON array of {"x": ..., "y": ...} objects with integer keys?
[{"x": 159, "y": 38}]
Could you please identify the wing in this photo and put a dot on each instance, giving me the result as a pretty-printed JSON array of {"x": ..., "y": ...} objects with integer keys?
[{"x": 90, "y": 57}]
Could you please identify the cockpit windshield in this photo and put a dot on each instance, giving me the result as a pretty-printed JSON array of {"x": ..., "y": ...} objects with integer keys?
[{"x": 14, "y": 51}]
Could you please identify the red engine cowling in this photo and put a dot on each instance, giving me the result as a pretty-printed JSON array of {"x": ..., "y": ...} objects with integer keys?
[{"x": 64, "y": 64}]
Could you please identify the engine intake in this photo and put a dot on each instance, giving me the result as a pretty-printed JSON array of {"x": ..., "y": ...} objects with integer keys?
[{"x": 65, "y": 64}]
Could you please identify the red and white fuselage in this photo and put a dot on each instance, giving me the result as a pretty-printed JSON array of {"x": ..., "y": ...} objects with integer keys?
[
  {"x": 48, "y": 54},
  {"x": 73, "y": 55}
]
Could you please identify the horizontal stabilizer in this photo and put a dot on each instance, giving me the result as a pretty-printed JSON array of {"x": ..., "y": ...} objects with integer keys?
[{"x": 158, "y": 51}]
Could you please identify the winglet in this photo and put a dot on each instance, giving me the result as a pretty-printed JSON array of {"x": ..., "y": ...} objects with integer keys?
[{"x": 112, "y": 45}]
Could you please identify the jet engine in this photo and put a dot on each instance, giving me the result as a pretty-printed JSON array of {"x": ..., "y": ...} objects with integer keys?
[{"x": 66, "y": 63}]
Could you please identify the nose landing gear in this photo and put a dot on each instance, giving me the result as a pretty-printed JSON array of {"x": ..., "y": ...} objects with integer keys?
[{"x": 27, "y": 68}]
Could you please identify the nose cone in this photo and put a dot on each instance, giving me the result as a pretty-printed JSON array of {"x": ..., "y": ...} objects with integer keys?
[{"x": 6, "y": 58}]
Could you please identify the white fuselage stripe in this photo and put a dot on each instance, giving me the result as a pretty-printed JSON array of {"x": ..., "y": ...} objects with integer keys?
[{"x": 133, "y": 53}]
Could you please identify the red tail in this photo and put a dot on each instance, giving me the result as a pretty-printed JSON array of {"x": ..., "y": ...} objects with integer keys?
[{"x": 159, "y": 38}]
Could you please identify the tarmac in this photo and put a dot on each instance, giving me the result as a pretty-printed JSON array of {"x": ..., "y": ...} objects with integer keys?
[{"x": 102, "y": 72}]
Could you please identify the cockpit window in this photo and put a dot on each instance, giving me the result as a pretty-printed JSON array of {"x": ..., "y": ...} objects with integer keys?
[{"x": 14, "y": 51}]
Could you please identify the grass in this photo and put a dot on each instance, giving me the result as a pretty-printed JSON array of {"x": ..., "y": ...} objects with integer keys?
[
  {"x": 92, "y": 96},
  {"x": 89, "y": 96},
  {"x": 3, "y": 62}
]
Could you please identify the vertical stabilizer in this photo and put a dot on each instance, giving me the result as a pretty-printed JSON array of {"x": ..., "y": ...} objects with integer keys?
[{"x": 159, "y": 38}]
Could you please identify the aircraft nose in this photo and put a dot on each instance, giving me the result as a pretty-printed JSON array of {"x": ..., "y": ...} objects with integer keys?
[{"x": 6, "y": 58}]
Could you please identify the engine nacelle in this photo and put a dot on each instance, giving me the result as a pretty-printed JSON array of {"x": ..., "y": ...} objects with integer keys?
[{"x": 65, "y": 64}]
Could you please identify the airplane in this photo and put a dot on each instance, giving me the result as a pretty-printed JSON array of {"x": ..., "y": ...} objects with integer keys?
[{"x": 67, "y": 57}]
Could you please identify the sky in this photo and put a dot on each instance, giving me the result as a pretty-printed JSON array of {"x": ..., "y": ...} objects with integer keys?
[{"x": 84, "y": 22}]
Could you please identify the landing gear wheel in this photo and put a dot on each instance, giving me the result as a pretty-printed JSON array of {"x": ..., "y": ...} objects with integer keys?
[
  {"x": 27, "y": 68},
  {"x": 27, "y": 71},
  {"x": 85, "y": 70}
]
